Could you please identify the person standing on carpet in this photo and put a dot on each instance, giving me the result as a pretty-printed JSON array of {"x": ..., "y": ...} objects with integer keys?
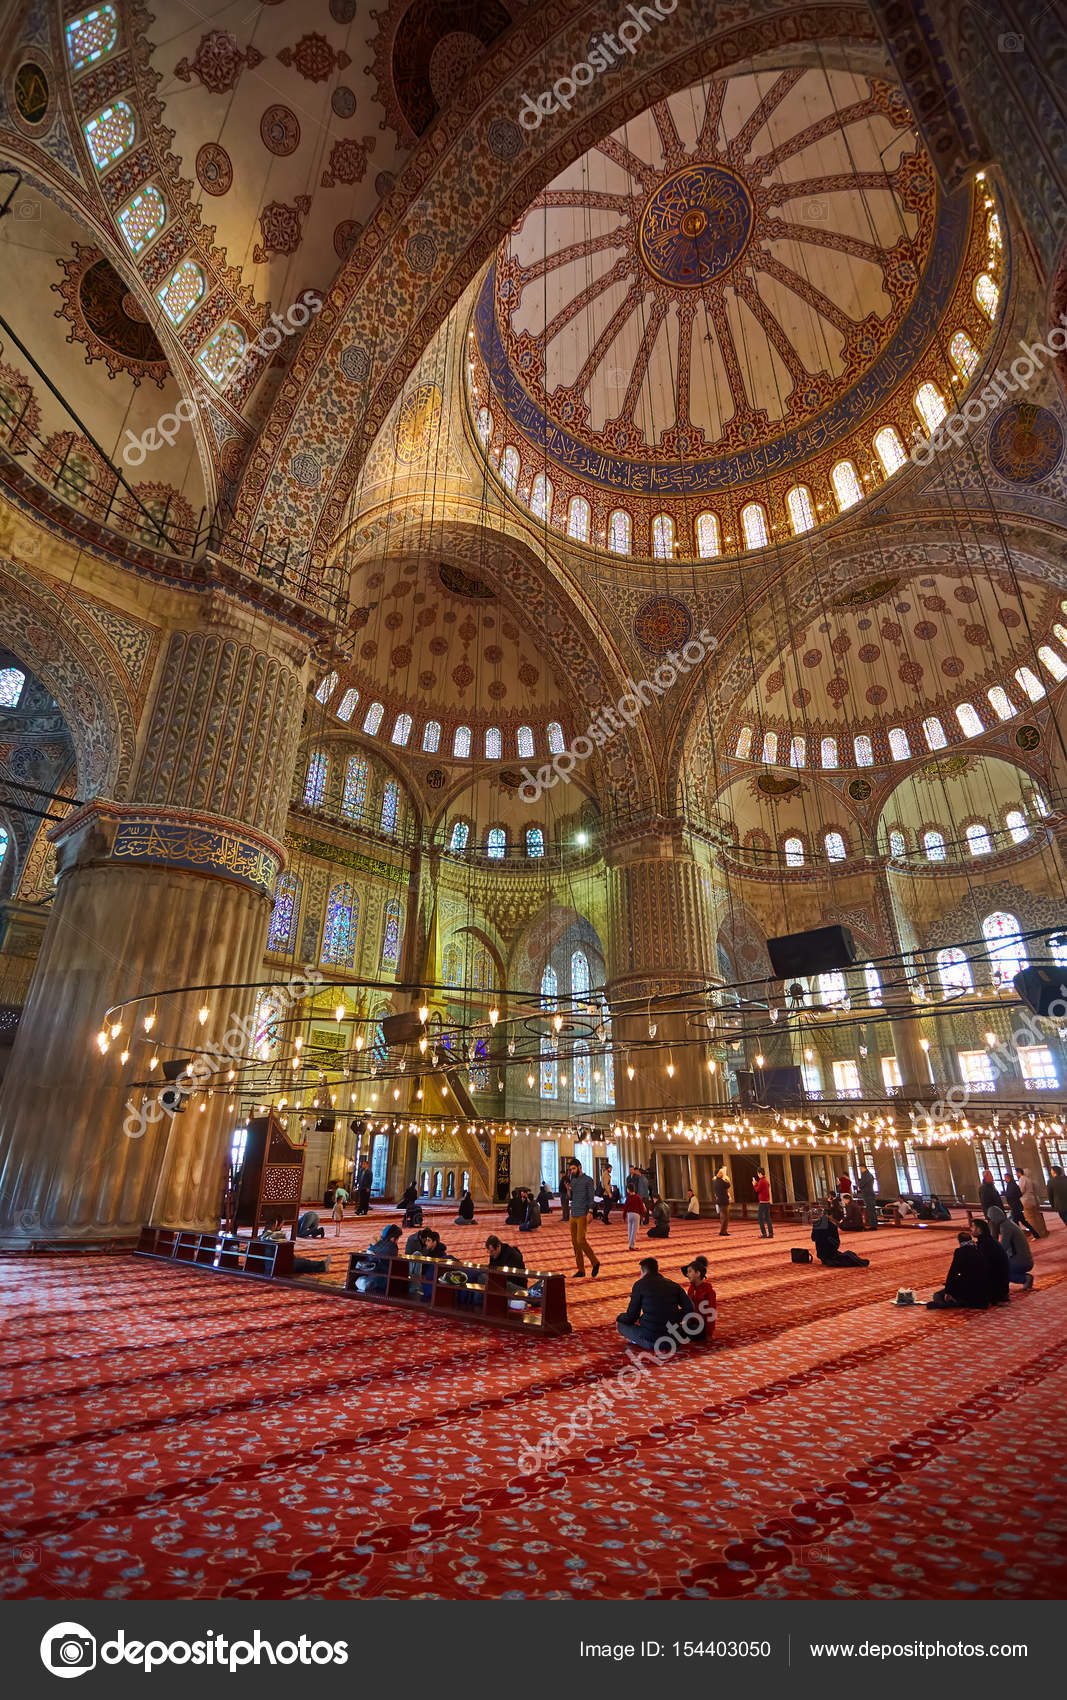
[
  {"x": 868, "y": 1192},
  {"x": 564, "y": 1196},
  {"x": 1057, "y": 1192},
  {"x": 363, "y": 1186},
  {"x": 722, "y": 1200},
  {"x": 581, "y": 1202},
  {"x": 655, "y": 1303},
  {"x": 1031, "y": 1209},
  {"x": 633, "y": 1212},
  {"x": 340, "y": 1199},
  {"x": 638, "y": 1182},
  {"x": 988, "y": 1196},
  {"x": 761, "y": 1186}
]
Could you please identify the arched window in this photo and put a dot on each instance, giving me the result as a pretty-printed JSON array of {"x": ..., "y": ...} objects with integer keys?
[
  {"x": 801, "y": 509},
  {"x": 510, "y": 466},
  {"x": 347, "y": 705},
  {"x": 1039, "y": 804},
  {"x": 525, "y": 741},
  {"x": 222, "y": 351},
  {"x": 461, "y": 741},
  {"x": 832, "y": 987},
  {"x": 978, "y": 840},
  {"x": 181, "y": 292},
  {"x": 770, "y": 747},
  {"x": 1055, "y": 663},
  {"x": 899, "y": 746},
  {"x": 461, "y": 831},
  {"x": 354, "y": 795},
  {"x": 373, "y": 718},
  {"x": 847, "y": 488},
  {"x": 890, "y": 450},
  {"x": 934, "y": 733},
  {"x": 1060, "y": 634},
  {"x": 142, "y": 219},
  {"x": 954, "y": 971},
  {"x": 556, "y": 745},
  {"x": 339, "y": 933},
  {"x": 541, "y": 494},
  {"x": 754, "y": 525},
  {"x": 12, "y": 680},
  {"x": 452, "y": 966},
  {"x": 496, "y": 843},
  {"x": 110, "y": 134},
  {"x": 993, "y": 231},
  {"x": 283, "y": 915},
  {"x": 873, "y": 982},
  {"x": 581, "y": 980},
  {"x": 431, "y": 737},
  {"x": 535, "y": 841},
  {"x": 798, "y": 750},
  {"x": 897, "y": 845},
  {"x": 549, "y": 987},
  {"x": 1001, "y": 703},
  {"x": 968, "y": 717},
  {"x": 861, "y": 743},
  {"x": 91, "y": 36},
  {"x": 579, "y": 519},
  {"x": 744, "y": 743},
  {"x": 987, "y": 295},
  {"x": 1007, "y": 952},
  {"x": 663, "y": 537},
  {"x": 931, "y": 406},
  {"x": 549, "y": 1069},
  {"x": 492, "y": 743},
  {"x": 828, "y": 752},
  {"x": 794, "y": 852},
  {"x": 1030, "y": 683},
  {"x": 483, "y": 973},
  {"x": 484, "y": 426},
  {"x": 315, "y": 784},
  {"x": 835, "y": 847},
  {"x": 964, "y": 355},
  {"x": 583, "y": 1085},
  {"x": 708, "y": 536},
  {"x": 1015, "y": 821},
  {"x": 266, "y": 1026},
  {"x": 401, "y": 729},
  {"x": 620, "y": 532},
  {"x": 327, "y": 688},
  {"x": 390, "y": 806},
  {"x": 391, "y": 934},
  {"x": 934, "y": 845}
]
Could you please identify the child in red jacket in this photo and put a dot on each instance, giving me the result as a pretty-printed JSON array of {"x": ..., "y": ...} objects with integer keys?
[
  {"x": 702, "y": 1293},
  {"x": 633, "y": 1210}
]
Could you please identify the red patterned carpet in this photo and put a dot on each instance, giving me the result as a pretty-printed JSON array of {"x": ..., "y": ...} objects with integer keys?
[{"x": 174, "y": 1435}]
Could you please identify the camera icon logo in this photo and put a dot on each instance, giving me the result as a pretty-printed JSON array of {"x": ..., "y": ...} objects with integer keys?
[{"x": 68, "y": 1649}]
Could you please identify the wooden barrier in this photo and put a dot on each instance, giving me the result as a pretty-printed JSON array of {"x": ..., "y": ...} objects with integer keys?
[
  {"x": 497, "y": 1298},
  {"x": 265, "y": 1259}
]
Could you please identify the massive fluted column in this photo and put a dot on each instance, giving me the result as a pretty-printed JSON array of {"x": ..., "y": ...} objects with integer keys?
[{"x": 168, "y": 886}]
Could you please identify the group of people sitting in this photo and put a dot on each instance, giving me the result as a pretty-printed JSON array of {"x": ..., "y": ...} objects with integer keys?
[
  {"x": 985, "y": 1264},
  {"x": 426, "y": 1243},
  {"x": 661, "y": 1311},
  {"x": 525, "y": 1208}
]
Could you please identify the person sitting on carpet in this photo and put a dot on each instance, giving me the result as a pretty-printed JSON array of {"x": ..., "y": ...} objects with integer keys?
[
  {"x": 516, "y": 1208},
  {"x": 994, "y": 1261},
  {"x": 827, "y": 1242},
  {"x": 383, "y": 1251},
  {"x": 936, "y": 1211},
  {"x": 503, "y": 1256},
  {"x": 661, "y": 1220},
  {"x": 966, "y": 1284},
  {"x": 544, "y": 1199},
  {"x": 701, "y": 1294},
  {"x": 655, "y": 1303},
  {"x": 309, "y": 1227},
  {"x": 414, "y": 1243},
  {"x": 852, "y": 1221},
  {"x": 465, "y": 1213},
  {"x": 1014, "y": 1241},
  {"x": 532, "y": 1220},
  {"x": 692, "y": 1203},
  {"x": 407, "y": 1199}
]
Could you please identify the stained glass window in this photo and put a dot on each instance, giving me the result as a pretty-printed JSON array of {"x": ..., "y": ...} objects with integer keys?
[
  {"x": 954, "y": 970},
  {"x": 492, "y": 743},
  {"x": 379, "y": 1046},
  {"x": 327, "y": 688},
  {"x": 965, "y": 356},
  {"x": 181, "y": 293},
  {"x": 847, "y": 487},
  {"x": 315, "y": 784},
  {"x": 1060, "y": 634},
  {"x": 143, "y": 218},
  {"x": 496, "y": 843},
  {"x": 535, "y": 841},
  {"x": 987, "y": 295},
  {"x": 801, "y": 509},
  {"x": 874, "y": 983},
  {"x": 525, "y": 740},
  {"x": 222, "y": 352},
  {"x": 110, "y": 134},
  {"x": 283, "y": 915},
  {"x": 556, "y": 744},
  {"x": 794, "y": 852},
  {"x": 485, "y": 425},
  {"x": 1039, "y": 804},
  {"x": 934, "y": 733},
  {"x": 347, "y": 705},
  {"x": 931, "y": 406},
  {"x": 1007, "y": 952},
  {"x": 897, "y": 845},
  {"x": 709, "y": 542},
  {"x": 993, "y": 230},
  {"x": 461, "y": 831},
  {"x": 549, "y": 1070},
  {"x": 1055, "y": 663},
  {"x": 483, "y": 974},
  {"x": 978, "y": 840},
  {"x": 452, "y": 965},
  {"x": 373, "y": 718},
  {"x": 479, "y": 1073},
  {"x": 1030, "y": 683},
  {"x": 390, "y": 806},
  {"x": 663, "y": 537},
  {"x": 828, "y": 752},
  {"x": 391, "y": 934},
  {"x": 835, "y": 847},
  {"x": 339, "y": 933},
  {"x": 583, "y": 1082},
  {"x": 354, "y": 796},
  {"x": 934, "y": 845},
  {"x": 967, "y": 715},
  {"x": 431, "y": 737},
  {"x": 510, "y": 466},
  {"x": 1015, "y": 821},
  {"x": 899, "y": 745},
  {"x": 770, "y": 747},
  {"x": 3, "y": 844},
  {"x": 266, "y": 1026},
  {"x": 1001, "y": 703},
  {"x": 579, "y": 517},
  {"x": 798, "y": 750},
  {"x": 541, "y": 494},
  {"x": 754, "y": 525},
  {"x": 864, "y": 751},
  {"x": 12, "y": 680},
  {"x": 461, "y": 742},
  {"x": 549, "y": 987},
  {"x": 609, "y": 1077},
  {"x": 890, "y": 450},
  {"x": 91, "y": 36},
  {"x": 743, "y": 746},
  {"x": 620, "y": 532},
  {"x": 580, "y": 977},
  {"x": 832, "y": 988},
  {"x": 401, "y": 729}
]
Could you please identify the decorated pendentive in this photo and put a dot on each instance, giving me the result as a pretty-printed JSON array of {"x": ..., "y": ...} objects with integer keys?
[{"x": 1025, "y": 443}]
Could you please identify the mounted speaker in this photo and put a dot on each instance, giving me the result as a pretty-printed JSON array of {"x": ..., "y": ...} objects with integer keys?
[
  {"x": 401, "y": 1029},
  {"x": 769, "y": 1087},
  {"x": 818, "y": 951},
  {"x": 174, "y": 1098},
  {"x": 326, "y": 1124},
  {"x": 1044, "y": 990}
]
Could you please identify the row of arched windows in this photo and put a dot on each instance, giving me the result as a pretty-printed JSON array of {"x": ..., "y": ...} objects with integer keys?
[
  {"x": 430, "y": 743},
  {"x": 1006, "y": 951},
  {"x": 340, "y": 925},
  {"x": 353, "y": 790},
  {"x": 978, "y": 836},
  {"x": 496, "y": 840}
]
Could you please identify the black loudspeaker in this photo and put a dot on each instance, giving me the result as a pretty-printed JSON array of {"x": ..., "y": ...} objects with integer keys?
[
  {"x": 325, "y": 1124},
  {"x": 818, "y": 951},
  {"x": 174, "y": 1098},
  {"x": 401, "y": 1029},
  {"x": 1044, "y": 990},
  {"x": 770, "y": 1086}
]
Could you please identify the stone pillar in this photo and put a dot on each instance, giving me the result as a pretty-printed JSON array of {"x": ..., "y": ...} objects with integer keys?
[{"x": 170, "y": 886}]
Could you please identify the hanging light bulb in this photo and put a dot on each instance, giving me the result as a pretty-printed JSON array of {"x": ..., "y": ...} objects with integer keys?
[
  {"x": 494, "y": 1017},
  {"x": 557, "y": 1022},
  {"x": 511, "y": 1047},
  {"x": 203, "y": 1106},
  {"x": 670, "y": 1070},
  {"x": 298, "y": 1041},
  {"x": 153, "y": 1062},
  {"x": 653, "y": 1029},
  {"x": 231, "y": 1075},
  {"x": 760, "y": 1059},
  {"x": 924, "y": 1044},
  {"x": 423, "y": 1042},
  {"x": 124, "y": 1057},
  {"x": 149, "y": 1022},
  {"x": 529, "y": 1080},
  {"x": 711, "y": 1065},
  {"x": 116, "y": 1029},
  {"x": 424, "y": 1013},
  {"x": 629, "y": 1071},
  {"x": 203, "y": 1013},
  {"x": 338, "y": 1013},
  {"x": 359, "y": 1041}
]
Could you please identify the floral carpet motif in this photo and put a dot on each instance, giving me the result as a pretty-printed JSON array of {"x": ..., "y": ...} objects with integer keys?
[{"x": 168, "y": 1434}]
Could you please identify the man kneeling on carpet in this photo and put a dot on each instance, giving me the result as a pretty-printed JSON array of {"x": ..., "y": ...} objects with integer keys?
[
  {"x": 656, "y": 1311},
  {"x": 828, "y": 1246},
  {"x": 966, "y": 1284}
]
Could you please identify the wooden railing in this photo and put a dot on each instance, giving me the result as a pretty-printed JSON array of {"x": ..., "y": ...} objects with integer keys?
[
  {"x": 262, "y": 1258},
  {"x": 518, "y": 1299}
]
